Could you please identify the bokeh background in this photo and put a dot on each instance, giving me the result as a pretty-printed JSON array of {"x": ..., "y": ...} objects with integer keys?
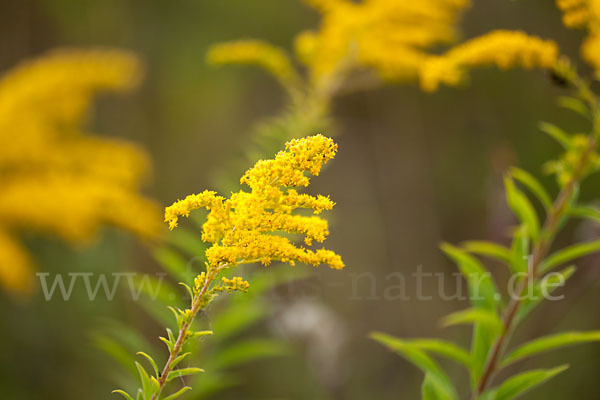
[{"x": 413, "y": 170}]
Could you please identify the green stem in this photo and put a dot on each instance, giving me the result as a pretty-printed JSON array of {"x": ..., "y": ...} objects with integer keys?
[
  {"x": 182, "y": 337},
  {"x": 539, "y": 253}
]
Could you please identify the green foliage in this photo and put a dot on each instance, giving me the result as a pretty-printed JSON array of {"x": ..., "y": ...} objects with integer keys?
[
  {"x": 493, "y": 320},
  {"x": 525, "y": 381},
  {"x": 225, "y": 354},
  {"x": 548, "y": 343},
  {"x": 437, "y": 384}
]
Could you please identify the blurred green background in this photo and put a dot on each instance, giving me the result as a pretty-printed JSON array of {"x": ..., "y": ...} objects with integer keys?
[{"x": 412, "y": 170}]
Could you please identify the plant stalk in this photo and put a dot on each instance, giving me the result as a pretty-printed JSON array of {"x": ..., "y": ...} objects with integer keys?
[{"x": 539, "y": 253}]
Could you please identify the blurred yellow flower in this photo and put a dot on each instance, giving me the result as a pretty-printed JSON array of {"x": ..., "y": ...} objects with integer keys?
[
  {"x": 394, "y": 39},
  {"x": 502, "y": 48},
  {"x": 247, "y": 227},
  {"x": 584, "y": 14},
  {"x": 388, "y": 36},
  {"x": 56, "y": 179}
]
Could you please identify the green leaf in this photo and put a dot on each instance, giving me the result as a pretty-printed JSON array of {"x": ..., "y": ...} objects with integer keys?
[
  {"x": 546, "y": 285},
  {"x": 520, "y": 250},
  {"x": 586, "y": 212},
  {"x": 437, "y": 378},
  {"x": 431, "y": 390},
  {"x": 123, "y": 393},
  {"x": 534, "y": 186},
  {"x": 145, "y": 379},
  {"x": 568, "y": 254},
  {"x": 198, "y": 334},
  {"x": 155, "y": 384},
  {"x": 522, "y": 208},
  {"x": 574, "y": 104},
  {"x": 443, "y": 348},
  {"x": 563, "y": 138},
  {"x": 183, "y": 372},
  {"x": 167, "y": 342},
  {"x": 549, "y": 343},
  {"x": 523, "y": 382},
  {"x": 488, "y": 395},
  {"x": 179, "y": 359},
  {"x": 487, "y": 318},
  {"x": 178, "y": 393},
  {"x": 247, "y": 351},
  {"x": 151, "y": 360},
  {"x": 483, "y": 294},
  {"x": 489, "y": 249},
  {"x": 482, "y": 289}
]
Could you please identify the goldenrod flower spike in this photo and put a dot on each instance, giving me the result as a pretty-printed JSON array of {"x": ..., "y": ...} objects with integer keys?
[
  {"x": 584, "y": 14},
  {"x": 248, "y": 227},
  {"x": 501, "y": 48},
  {"x": 244, "y": 227},
  {"x": 378, "y": 34},
  {"x": 57, "y": 179}
]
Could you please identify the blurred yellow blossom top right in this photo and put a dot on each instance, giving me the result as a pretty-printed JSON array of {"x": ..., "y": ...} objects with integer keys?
[
  {"x": 399, "y": 41},
  {"x": 584, "y": 14}
]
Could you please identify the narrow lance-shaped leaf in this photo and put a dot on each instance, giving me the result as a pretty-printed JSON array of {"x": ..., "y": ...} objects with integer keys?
[
  {"x": 522, "y": 208},
  {"x": 574, "y": 104},
  {"x": 443, "y": 348},
  {"x": 483, "y": 294},
  {"x": 147, "y": 388},
  {"x": 523, "y": 382},
  {"x": 586, "y": 212},
  {"x": 178, "y": 393},
  {"x": 520, "y": 250},
  {"x": 487, "y": 318},
  {"x": 123, "y": 393},
  {"x": 489, "y": 249},
  {"x": 549, "y": 343},
  {"x": 183, "y": 372},
  {"x": 431, "y": 390},
  {"x": 482, "y": 289},
  {"x": 556, "y": 133},
  {"x": 547, "y": 285},
  {"x": 534, "y": 186},
  {"x": 569, "y": 253},
  {"x": 437, "y": 378},
  {"x": 150, "y": 360}
]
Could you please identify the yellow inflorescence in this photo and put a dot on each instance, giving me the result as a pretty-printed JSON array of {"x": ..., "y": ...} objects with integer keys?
[
  {"x": 504, "y": 49},
  {"x": 247, "y": 227},
  {"x": 232, "y": 285},
  {"x": 390, "y": 37},
  {"x": 584, "y": 14},
  {"x": 55, "y": 179}
]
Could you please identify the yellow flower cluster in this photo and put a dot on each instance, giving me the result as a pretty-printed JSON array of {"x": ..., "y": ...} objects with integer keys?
[
  {"x": 569, "y": 163},
  {"x": 248, "y": 226},
  {"x": 501, "y": 48},
  {"x": 584, "y": 14},
  {"x": 389, "y": 36},
  {"x": 55, "y": 179},
  {"x": 232, "y": 285}
]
